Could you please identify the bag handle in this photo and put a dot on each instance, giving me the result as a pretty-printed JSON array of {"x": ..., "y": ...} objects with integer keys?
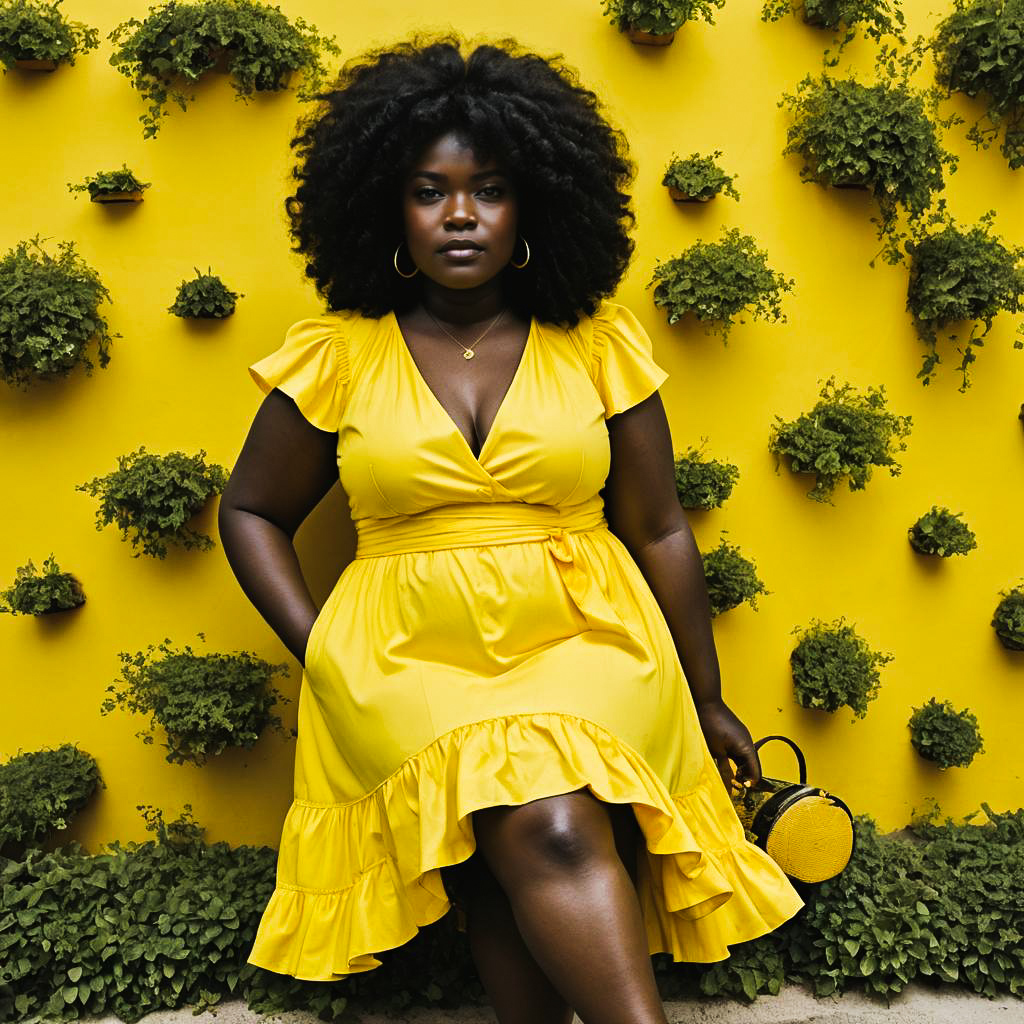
[{"x": 796, "y": 749}]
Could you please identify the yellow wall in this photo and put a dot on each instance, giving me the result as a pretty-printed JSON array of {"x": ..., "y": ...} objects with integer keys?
[{"x": 219, "y": 174}]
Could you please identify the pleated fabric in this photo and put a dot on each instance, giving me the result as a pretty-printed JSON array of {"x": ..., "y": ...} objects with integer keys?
[{"x": 491, "y": 643}]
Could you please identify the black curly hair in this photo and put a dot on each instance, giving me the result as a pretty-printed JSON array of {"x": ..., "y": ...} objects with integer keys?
[{"x": 569, "y": 165}]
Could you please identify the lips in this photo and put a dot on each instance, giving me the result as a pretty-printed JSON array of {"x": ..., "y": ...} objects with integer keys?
[{"x": 464, "y": 243}]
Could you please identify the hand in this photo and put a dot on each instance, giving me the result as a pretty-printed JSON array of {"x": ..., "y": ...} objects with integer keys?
[{"x": 727, "y": 737}]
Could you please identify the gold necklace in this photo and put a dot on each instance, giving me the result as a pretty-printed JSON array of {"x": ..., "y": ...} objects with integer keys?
[{"x": 467, "y": 353}]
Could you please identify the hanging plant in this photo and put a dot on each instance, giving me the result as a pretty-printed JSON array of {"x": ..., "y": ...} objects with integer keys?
[
  {"x": 960, "y": 275},
  {"x": 979, "y": 49},
  {"x": 654, "y": 22},
  {"x": 155, "y": 496},
  {"x": 940, "y": 532},
  {"x": 731, "y": 578},
  {"x": 259, "y": 46},
  {"x": 204, "y": 702},
  {"x": 35, "y": 36},
  {"x": 697, "y": 178},
  {"x": 1008, "y": 619},
  {"x": 881, "y": 138},
  {"x": 703, "y": 483},
  {"x": 112, "y": 187},
  {"x": 843, "y": 435},
  {"x": 715, "y": 280},
  {"x": 944, "y": 735},
  {"x": 39, "y": 594},
  {"x": 833, "y": 666},
  {"x": 207, "y": 298},
  {"x": 49, "y": 313},
  {"x": 877, "y": 18}
]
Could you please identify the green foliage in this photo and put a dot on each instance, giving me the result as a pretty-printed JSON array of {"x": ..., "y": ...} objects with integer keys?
[
  {"x": 659, "y": 17},
  {"x": 961, "y": 275},
  {"x": 205, "y": 702},
  {"x": 38, "y": 31},
  {"x": 878, "y": 18},
  {"x": 179, "y": 40},
  {"x": 979, "y": 48},
  {"x": 42, "y": 790},
  {"x": 715, "y": 280},
  {"x": 37, "y": 594},
  {"x": 122, "y": 180},
  {"x": 206, "y": 297},
  {"x": 699, "y": 176},
  {"x": 703, "y": 483},
  {"x": 156, "y": 495},
  {"x": 48, "y": 313},
  {"x": 731, "y": 578},
  {"x": 844, "y": 434},
  {"x": 1008, "y": 619},
  {"x": 944, "y": 735},
  {"x": 940, "y": 532},
  {"x": 881, "y": 137},
  {"x": 833, "y": 666}
]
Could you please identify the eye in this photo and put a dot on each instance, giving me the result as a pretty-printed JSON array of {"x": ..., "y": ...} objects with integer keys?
[
  {"x": 496, "y": 189},
  {"x": 425, "y": 188}
]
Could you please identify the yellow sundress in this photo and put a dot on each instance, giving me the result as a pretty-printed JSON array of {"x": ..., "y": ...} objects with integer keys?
[{"x": 492, "y": 642}]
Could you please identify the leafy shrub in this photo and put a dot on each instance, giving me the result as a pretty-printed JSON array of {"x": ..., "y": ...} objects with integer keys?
[
  {"x": 206, "y": 297},
  {"x": 659, "y": 17},
  {"x": 699, "y": 176},
  {"x": 703, "y": 483},
  {"x": 1008, "y": 619},
  {"x": 940, "y": 532},
  {"x": 878, "y": 18},
  {"x": 34, "y": 594},
  {"x": 715, "y": 280},
  {"x": 105, "y": 182},
  {"x": 42, "y": 790},
  {"x": 731, "y": 578},
  {"x": 38, "y": 31},
  {"x": 944, "y": 735},
  {"x": 844, "y": 434},
  {"x": 156, "y": 495},
  {"x": 205, "y": 702},
  {"x": 48, "y": 313},
  {"x": 961, "y": 275},
  {"x": 833, "y": 666},
  {"x": 185, "y": 40}
]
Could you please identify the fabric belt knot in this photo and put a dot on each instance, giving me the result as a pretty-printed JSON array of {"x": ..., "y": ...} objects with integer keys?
[{"x": 559, "y": 546}]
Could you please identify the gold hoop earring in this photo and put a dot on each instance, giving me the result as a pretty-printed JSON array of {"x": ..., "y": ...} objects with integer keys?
[
  {"x": 519, "y": 266},
  {"x": 395, "y": 261}
]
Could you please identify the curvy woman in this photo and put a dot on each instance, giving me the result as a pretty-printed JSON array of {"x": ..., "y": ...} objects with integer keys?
[{"x": 511, "y": 698}]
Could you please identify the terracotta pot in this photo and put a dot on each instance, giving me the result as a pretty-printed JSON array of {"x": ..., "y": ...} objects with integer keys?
[
  {"x": 117, "y": 197},
  {"x": 850, "y": 184},
  {"x": 31, "y": 64},
  {"x": 637, "y": 35},
  {"x": 684, "y": 197}
]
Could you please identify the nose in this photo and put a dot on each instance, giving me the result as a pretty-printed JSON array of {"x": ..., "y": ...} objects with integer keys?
[{"x": 459, "y": 208}]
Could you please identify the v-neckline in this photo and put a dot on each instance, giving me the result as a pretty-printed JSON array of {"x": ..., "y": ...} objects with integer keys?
[{"x": 478, "y": 459}]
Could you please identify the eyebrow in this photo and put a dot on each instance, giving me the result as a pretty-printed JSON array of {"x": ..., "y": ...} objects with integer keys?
[{"x": 434, "y": 176}]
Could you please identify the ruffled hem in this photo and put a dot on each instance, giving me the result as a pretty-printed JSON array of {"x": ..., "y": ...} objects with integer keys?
[{"x": 702, "y": 885}]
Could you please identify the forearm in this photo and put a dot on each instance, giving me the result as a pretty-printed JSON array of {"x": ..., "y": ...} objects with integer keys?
[
  {"x": 674, "y": 571},
  {"x": 263, "y": 559}
]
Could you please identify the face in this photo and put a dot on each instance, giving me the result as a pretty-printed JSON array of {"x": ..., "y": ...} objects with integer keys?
[{"x": 449, "y": 195}]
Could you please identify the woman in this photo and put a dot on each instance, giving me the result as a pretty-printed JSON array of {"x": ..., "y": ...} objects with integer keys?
[{"x": 494, "y": 708}]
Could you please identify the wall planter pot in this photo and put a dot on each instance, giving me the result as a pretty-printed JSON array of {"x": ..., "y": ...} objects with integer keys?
[
  {"x": 117, "y": 186},
  {"x": 117, "y": 197},
  {"x": 639, "y": 36},
  {"x": 31, "y": 64},
  {"x": 679, "y": 196}
]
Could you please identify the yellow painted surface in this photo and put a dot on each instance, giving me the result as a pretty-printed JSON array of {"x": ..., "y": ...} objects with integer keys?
[{"x": 219, "y": 174}]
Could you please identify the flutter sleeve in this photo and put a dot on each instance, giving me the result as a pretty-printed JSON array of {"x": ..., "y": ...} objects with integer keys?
[
  {"x": 311, "y": 367},
  {"x": 622, "y": 364}
]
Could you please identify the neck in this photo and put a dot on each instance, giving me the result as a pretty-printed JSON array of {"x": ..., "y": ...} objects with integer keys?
[{"x": 465, "y": 305}]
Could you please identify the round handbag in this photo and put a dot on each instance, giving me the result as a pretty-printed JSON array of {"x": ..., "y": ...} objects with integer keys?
[{"x": 807, "y": 831}]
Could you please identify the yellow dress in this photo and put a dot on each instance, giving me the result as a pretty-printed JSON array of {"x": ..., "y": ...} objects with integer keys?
[{"x": 492, "y": 642}]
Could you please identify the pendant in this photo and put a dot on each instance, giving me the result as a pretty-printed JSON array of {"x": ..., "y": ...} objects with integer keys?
[{"x": 468, "y": 354}]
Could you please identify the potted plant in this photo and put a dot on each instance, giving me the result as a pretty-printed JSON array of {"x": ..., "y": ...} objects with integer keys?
[
  {"x": 978, "y": 49},
  {"x": 204, "y": 702},
  {"x": 257, "y": 44},
  {"x": 703, "y": 483},
  {"x": 654, "y": 22},
  {"x": 715, "y": 280},
  {"x": 958, "y": 275},
  {"x": 120, "y": 186},
  {"x": 697, "y": 179},
  {"x": 881, "y": 138},
  {"x": 206, "y": 297},
  {"x": 731, "y": 578},
  {"x": 1008, "y": 620},
  {"x": 35, "y": 36},
  {"x": 155, "y": 496},
  {"x": 944, "y": 735},
  {"x": 833, "y": 666},
  {"x": 49, "y": 313},
  {"x": 40, "y": 594},
  {"x": 845, "y": 434},
  {"x": 940, "y": 532}
]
